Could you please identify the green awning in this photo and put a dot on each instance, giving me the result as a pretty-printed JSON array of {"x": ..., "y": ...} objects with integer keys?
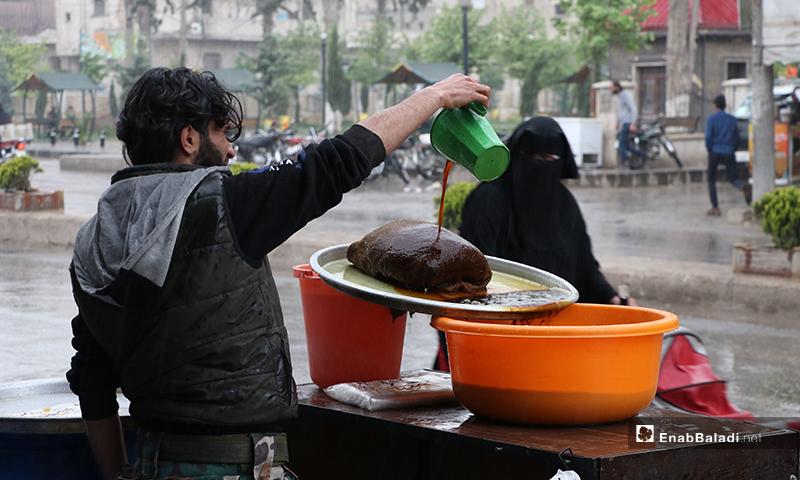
[
  {"x": 58, "y": 81},
  {"x": 427, "y": 73}
]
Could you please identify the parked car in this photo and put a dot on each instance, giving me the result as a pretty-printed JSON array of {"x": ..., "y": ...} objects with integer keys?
[{"x": 786, "y": 98}]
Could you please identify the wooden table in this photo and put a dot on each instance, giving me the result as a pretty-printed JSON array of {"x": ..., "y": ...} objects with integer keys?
[{"x": 334, "y": 440}]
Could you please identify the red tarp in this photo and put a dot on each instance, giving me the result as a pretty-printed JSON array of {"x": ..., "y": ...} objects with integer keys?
[
  {"x": 686, "y": 381},
  {"x": 713, "y": 14}
]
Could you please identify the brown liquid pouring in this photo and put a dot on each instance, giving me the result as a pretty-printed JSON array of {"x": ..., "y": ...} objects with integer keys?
[{"x": 444, "y": 189}]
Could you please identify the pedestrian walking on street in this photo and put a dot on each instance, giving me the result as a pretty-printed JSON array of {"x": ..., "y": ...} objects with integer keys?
[
  {"x": 177, "y": 305},
  {"x": 722, "y": 138},
  {"x": 627, "y": 114},
  {"x": 528, "y": 216}
]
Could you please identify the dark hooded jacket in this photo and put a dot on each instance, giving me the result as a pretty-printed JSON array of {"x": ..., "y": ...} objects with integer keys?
[
  {"x": 177, "y": 303},
  {"x": 528, "y": 216}
]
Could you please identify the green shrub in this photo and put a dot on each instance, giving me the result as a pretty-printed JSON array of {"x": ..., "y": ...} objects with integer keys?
[
  {"x": 454, "y": 198},
  {"x": 237, "y": 168},
  {"x": 780, "y": 214},
  {"x": 15, "y": 175}
]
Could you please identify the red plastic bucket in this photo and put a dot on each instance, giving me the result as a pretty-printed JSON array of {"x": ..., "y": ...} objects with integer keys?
[{"x": 349, "y": 340}]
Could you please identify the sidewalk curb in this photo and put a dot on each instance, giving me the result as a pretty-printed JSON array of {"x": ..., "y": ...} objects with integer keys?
[
  {"x": 696, "y": 283},
  {"x": 24, "y": 229},
  {"x": 649, "y": 279}
]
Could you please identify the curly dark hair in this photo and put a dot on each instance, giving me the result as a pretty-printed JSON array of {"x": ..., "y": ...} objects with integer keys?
[{"x": 164, "y": 101}]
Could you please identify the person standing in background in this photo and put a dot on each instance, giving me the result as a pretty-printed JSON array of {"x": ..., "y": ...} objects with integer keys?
[
  {"x": 529, "y": 216},
  {"x": 627, "y": 114},
  {"x": 722, "y": 138}
]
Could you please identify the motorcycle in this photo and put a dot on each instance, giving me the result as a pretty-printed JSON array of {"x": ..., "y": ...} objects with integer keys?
[
  {"x": 394, "y": 163},
  {"x": 262, "y": 148},
  {"x": 12, "y": 149},
  {"x": 293, "y": 143},
  {"x": 430, "y": 163},
  {"x": 650, "y": 138}
]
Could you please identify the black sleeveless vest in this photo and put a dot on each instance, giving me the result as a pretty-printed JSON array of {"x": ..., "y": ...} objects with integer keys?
[{"x": 211, "y": 347}]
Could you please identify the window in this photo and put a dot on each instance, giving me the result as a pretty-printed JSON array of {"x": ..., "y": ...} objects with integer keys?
[
  {"x": 211, "y": 60},
  {"x": 69, "y": 17},
  {"x": 99, "y": 8},
  {"x": 558, "y": 10},
  {"x": 206, "y": 7},
  {"x": 652, "y": 91},
  {"x": 737, "y": 70}
]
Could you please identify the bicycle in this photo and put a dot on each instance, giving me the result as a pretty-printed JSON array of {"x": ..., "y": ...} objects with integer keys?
[{"x": 394, "y": 164}]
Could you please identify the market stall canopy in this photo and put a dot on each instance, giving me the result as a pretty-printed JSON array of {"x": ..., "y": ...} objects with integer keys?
[
  {"x": 58, "y": 81},
  {"x": 234, "y": 79},
  {"x": 427, "y": 73}
]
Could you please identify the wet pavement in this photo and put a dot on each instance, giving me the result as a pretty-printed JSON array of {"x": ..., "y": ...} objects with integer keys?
[{"x": 752, "y": 351}]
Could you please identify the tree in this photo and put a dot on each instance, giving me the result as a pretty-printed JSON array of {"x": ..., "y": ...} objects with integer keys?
[
  {"x": 6, "y": 87},
  {"x": 92, "y": 66},
  {"x": 374, "y": 57},
  {"x": 444, "y": 41},
  {"x": 267, "y": 9},
  {"x": 413, "y": 6},
  {"x": 493, "y": 76},
  {"x": 601, "y": 24},
  {"x": 271, "y": 66},
  {"x": 128, "y": 74},
  {"x": 529, "y": 56},
  {"x": 41, "y": 105},
  {"x": 304, "y": 63},
  {"x": 18, "y": 61},
  {"x": 112, "y": 100},
  {"x": 338, "y": 86}
]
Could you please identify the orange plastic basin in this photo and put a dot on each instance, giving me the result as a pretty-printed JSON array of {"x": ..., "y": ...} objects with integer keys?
[{"x": 587, "y": 364}]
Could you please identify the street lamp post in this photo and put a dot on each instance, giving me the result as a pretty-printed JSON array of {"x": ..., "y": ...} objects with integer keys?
[
  {"x": 464, "y": 9},
  {"x": 324, "y": 38}
]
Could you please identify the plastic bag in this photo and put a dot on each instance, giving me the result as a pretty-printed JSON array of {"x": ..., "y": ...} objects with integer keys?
[
  {"x": 566, "y": 475},
  {"x": 413, "y": 388}
]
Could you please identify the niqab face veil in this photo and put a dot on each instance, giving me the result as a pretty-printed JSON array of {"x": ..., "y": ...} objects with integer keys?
[{"x": 535, "y": 185}]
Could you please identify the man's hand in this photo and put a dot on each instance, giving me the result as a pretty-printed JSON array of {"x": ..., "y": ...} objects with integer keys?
[
  {"x": 397, "y": 123},
  {"x": 108, "y": 445},
  {"x": 633, "y": 127},
  {"x": 458, "y": 90}
]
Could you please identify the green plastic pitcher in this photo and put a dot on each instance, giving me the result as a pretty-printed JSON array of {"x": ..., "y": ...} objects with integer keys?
[{"x": 465, "y": 137}]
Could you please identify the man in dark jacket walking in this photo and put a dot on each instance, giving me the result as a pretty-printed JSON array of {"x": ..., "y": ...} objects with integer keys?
[
  {"x": 177, "y": 305},
  {"x": 722, "y": 138}
]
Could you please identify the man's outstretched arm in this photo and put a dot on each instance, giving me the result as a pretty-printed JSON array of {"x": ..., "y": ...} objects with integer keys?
[{"x": 397, "y": 123}]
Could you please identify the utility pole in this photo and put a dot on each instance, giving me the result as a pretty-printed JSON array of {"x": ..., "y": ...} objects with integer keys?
[
  {"x": 679, "y": 75},
  {"x": 465, "y": 33},
  {"x": 183, "y": 43},
  {"x": 323, "y": 38},
  {"x": 763, "y": 111}
]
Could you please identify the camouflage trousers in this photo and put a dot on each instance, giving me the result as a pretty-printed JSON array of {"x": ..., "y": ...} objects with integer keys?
[{"x": 262, "y": 467}]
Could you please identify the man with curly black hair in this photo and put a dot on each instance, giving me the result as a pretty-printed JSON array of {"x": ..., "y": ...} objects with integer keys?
[{"x": 177, "y": 304}]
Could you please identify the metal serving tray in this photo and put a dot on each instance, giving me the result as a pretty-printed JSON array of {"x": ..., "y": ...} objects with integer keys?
[{"x": 334, "y": 269}]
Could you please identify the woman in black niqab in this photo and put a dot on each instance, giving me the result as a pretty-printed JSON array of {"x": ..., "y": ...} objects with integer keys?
[{"x": 528, "y": 216}]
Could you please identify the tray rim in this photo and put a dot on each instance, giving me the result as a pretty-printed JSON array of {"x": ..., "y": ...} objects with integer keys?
[{"x": 328, "y": 255}]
